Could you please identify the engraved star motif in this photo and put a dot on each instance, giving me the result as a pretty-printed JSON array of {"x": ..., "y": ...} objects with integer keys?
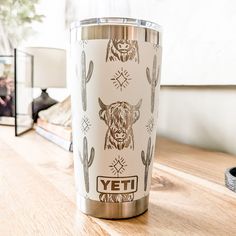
[
  {"x": 118, "y": 166},
  {"x": 121, "y": 79}
]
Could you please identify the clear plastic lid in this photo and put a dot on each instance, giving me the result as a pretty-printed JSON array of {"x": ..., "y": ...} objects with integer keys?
[{"x": 116, "y": 21}]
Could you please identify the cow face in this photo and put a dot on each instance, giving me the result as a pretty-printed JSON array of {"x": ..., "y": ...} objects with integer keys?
[
  {"x": 119, "y": 117},
  {"x": 122, "y": 50}
]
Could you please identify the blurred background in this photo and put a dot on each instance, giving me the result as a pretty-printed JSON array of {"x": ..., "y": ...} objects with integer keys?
[{"x": 198, "y": 89}]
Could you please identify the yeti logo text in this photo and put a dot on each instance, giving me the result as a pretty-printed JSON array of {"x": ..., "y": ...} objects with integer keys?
[
  {"x": 119, "y": 117},
  {"x": 122, "y": 185}
]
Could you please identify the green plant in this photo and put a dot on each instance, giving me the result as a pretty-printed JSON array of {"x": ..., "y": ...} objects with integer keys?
[{"x": 16, "y": 17}]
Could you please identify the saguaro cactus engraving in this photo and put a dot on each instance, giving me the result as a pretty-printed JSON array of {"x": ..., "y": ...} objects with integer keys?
[
  {"x": 153, "y": 81},
  {"x": 85, "y": 78},
  {"x": 147, "y": 161},
  {"x": 86, "y": 162}
]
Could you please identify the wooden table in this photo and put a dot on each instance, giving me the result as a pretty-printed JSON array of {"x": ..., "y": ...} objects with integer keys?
[{"x": 37, "y": 194}]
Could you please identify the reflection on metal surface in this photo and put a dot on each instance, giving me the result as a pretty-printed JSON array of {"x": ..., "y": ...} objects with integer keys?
[
  {"x": 115, "y": 32},
  {"x": 109, "y": 210}
]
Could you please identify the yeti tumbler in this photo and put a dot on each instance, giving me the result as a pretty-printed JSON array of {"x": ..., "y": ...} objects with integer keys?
[{"x": 116, "y": 67}]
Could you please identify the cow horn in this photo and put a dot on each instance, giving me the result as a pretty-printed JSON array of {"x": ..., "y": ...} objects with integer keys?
[
  {"x": 102, "y": 105},
  {"x": 137, "y": 106}
]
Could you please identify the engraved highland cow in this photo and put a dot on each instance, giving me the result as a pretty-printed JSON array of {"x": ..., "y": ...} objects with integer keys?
[
  {"x": 86, "y": 162},
  {"x": 119, "y": 117},
  {"x": 85, "y": 77},
  {"x": 147, "y": 161},
  {"x": 122, "y": 50},
  {"x": 153, "y": 80}
]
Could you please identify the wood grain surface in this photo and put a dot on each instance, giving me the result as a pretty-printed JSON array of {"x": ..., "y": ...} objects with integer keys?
[
  {"x": 205, "y": 164},
  {"x": 37, "y": 194}
]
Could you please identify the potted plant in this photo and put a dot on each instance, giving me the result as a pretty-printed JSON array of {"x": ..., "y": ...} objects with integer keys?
[{"x": 16, "y": 17}]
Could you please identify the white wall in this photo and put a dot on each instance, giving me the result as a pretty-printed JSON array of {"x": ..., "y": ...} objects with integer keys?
[
  {"x": 51, "y": 31},
  {"x": 198, "y": 40},
  {"x": 201, "y": 116}
]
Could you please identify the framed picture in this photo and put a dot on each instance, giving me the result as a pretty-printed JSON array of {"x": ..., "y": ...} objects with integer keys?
[
  {"x": 7, "y": 90},
  {"x": 23, "y": 91}
]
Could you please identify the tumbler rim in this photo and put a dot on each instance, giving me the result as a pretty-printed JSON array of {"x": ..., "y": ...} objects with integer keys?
[{"x": 126, "y": 21}]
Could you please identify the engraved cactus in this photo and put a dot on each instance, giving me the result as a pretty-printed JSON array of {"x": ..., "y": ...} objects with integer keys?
[
  {"x": 147, "y": 161},
  {"x": 86, "y": 162},
  {"x": 153, "y": 81},
  {"x": 85, "y": 78}
]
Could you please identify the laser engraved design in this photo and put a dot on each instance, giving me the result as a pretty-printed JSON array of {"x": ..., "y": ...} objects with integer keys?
[
  {"x": 153, "y": 80},
  {"x": 121, "y": 79},
  {"x": 117, "y": 189},
  {"x": 83, "y": 43},
  {"x": 155, "y": 47},
  {"x": 122, "y": 50},
  {"x": 147, "y": 161},
  {"x": 119, "y": 117},
  {"x": 150, "y": 125},
  {"x": 118, "y": 166},
  {"x": 86, "y": 162},
  {"x": 116, "y": 197},
  {"x": 85, "y": 78},
  {"x": 85, "y": 125}
]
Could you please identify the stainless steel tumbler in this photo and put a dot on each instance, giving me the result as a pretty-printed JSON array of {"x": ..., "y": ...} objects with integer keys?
[{"x": 116, "y": 66}]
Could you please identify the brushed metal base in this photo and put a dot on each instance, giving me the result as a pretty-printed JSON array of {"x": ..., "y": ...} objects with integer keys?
[{"x": 113, "y": 210}]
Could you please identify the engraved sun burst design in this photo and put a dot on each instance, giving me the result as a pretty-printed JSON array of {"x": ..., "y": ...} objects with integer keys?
[
  {"x": 118, "y": 166},
  {"x": 83, "y": 43},
  {"x": 85, "y": 125},
  {"x": 121, "y": 79},
  {"x": 150, "y": 125}
]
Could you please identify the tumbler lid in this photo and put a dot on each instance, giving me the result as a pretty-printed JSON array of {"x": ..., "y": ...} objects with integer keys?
[{"x": 116, "y": 21}]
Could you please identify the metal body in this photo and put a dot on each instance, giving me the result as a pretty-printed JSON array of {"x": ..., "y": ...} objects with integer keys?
[
  {"x": 105, "y": 106},
  {"x": 120, "y": 28}
]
